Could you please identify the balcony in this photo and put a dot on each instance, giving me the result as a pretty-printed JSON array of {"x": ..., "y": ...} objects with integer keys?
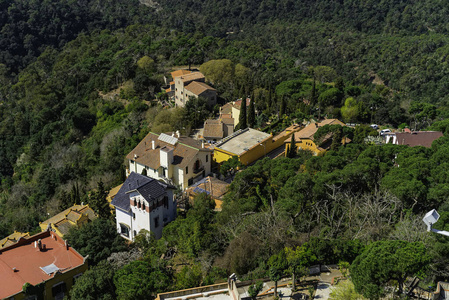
[{"x": 198, "y": 170}]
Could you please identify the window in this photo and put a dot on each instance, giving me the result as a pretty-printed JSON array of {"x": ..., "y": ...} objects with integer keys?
[
  {"x": 165, "y": 201},
  {"x": 143, "y": 206},
  {"x": 207, "y": 158},
  {"x": 138, "y": 205},
  {"x": 135, "y": 233},
  {"x": 156, "y": 222},
  {"x": 134, "y": 215},
  {"x": 58, "y": 290},
  {"x": 124, "y": 230},
  {"x": 132, "y": 161},
  {"x": 187, "y": 170}
]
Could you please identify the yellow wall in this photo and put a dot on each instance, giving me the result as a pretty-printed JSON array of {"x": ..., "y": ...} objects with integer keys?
[
  {"x": 58, "y": 277},
  {"x": 256, "y": 152},
  {"x": 221, "y": 156},
  {"x": 66, "y": 277},
  {"x": 305, "y": 144}
]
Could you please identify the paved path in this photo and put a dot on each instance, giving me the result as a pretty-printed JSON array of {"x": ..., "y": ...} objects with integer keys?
[{"x": 323, "y": 290}]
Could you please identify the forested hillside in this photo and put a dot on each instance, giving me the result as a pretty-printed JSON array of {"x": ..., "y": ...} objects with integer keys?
[{"x": 81, "y": 84}]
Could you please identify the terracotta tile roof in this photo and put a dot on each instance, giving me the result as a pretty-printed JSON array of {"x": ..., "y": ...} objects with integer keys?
[
  {"x": 213, "y": 129},
  {"x": 12, "y": 239},
  {"x": 28, "y": 262},
  {"x": 184, "y": 151},
  {"x": 210, "y": 185},
  {"x": 238, "y": 103},
  {"x": 69, "y": 217},
  {"x": 64, "y": 226},
  {"x": 191, "y": 76},
  {"x": 198, "y": 88},
  {"x": 418, "y": 138},
  {"x": 308, "y": 131},
  {"x": 113, "y": 192},
  {"x": 226, "y": 109},
  {"x": 227, "y": 121},
  {"x": 178, "y": 73}
]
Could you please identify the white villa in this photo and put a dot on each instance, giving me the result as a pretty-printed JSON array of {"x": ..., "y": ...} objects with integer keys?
[
  {"x": 180, "y": 161},
  {"x": 143, "y": 203}
]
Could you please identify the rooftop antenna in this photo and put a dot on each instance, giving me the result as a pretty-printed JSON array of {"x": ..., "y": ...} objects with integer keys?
[{"x": 431, "y": 218}]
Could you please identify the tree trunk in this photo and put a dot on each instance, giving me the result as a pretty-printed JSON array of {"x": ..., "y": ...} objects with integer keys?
[
  {"x": 293, "y": 282},
  {"x": 275, "y": 289}
]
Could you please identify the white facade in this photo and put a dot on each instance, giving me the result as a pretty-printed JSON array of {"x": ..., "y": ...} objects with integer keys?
[
  {"x": 199, "y": 166},
  {"x": 151, "y": 216}
]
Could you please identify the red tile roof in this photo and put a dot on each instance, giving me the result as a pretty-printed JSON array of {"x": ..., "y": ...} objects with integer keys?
[
  {"x": 418, "y": 138},
  {"x": 28, "y": 261}
]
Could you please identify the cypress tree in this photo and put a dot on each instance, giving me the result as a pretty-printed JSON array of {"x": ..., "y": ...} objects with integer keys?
[
  {"x": 252, "y": 113},
  {"x": 282, "y": 108},
  {"x": 291, "y": 152},
  {"x": 242, "y": 117}
]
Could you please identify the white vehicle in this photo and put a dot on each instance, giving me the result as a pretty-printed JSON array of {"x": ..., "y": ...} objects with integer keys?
[
  {"x": 385, "y": 131},
  {"x": 374, "y": 126}
]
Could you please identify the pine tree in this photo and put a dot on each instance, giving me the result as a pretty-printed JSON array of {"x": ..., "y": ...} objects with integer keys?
[
  {"x": 252, "y": 113},
  {"x": 242, "y": 117}
]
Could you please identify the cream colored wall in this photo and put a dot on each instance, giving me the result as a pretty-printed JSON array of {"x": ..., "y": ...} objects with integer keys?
[{"x": 235, "y": 113}]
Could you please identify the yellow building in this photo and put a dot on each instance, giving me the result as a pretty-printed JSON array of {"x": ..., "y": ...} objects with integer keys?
[
  {"x": 12, "y": 239},
  {"x": 41, "y": 266},
  {"x": 75, "y": 216},
  {"x": 250, "y": 144},
  {"x": 304, "y": 138},
  {"x": 111, "y": 196}
]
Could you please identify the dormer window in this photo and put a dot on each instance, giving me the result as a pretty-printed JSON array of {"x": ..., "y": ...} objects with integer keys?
[
  {"x": 135, "y": 202},
  {"x": 138, "y": 204},
  {"x": 143, "y": 206}
]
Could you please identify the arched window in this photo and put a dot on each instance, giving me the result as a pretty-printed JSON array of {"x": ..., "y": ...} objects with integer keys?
[
  {"x": 143, "y": 205},
  {"x": 138, "y": 204}
]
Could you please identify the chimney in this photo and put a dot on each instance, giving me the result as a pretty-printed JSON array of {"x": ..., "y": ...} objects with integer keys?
[
  {"x": 178, "y": 134},
  {"x": 66, "y": 245},
  {"x": 173, "y": 133},
  {"x": 316, "y": 125},
  {"x": 202, "y": 144},
  {"x": 39, "y": 244},
  {"x": 153, "y": 146}
]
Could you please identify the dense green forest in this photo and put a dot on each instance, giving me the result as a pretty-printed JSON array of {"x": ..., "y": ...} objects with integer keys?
[{"x": 79, "y": 88}]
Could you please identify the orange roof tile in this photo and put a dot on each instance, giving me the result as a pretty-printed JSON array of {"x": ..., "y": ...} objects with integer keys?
[
  {"x": 197, "y": 88},
  {"x": 178, "y": 73},
  {"x": 212, "y": 185},
  {"x": 213, "y": 129},
  {"x": 192, "y": 76},
  {"x": 28, "y": 261}
]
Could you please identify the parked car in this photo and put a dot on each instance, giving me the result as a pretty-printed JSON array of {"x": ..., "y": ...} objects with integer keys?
[
  {"x": 374, "y": 126},
  {"x": 384, "y": 131}
]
